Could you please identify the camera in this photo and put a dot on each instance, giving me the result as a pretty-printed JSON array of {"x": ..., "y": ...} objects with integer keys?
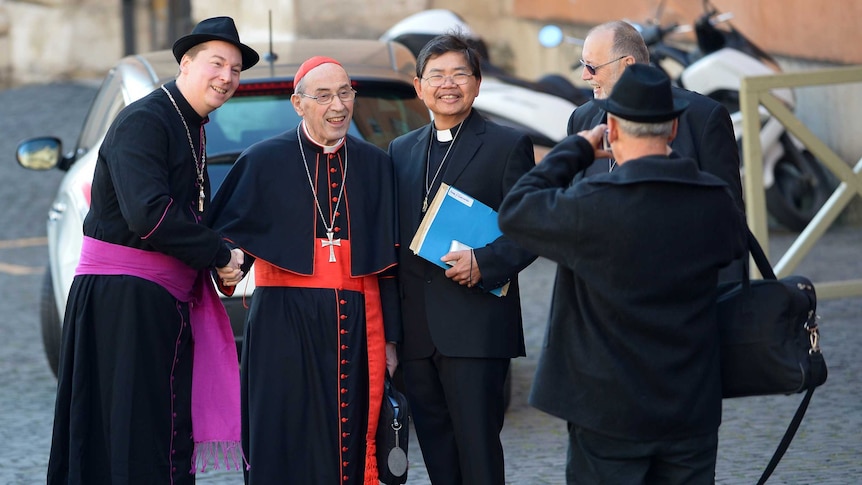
[{"x": 606, "y": 145}]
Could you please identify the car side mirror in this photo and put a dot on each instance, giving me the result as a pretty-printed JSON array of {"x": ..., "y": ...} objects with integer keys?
[{"x": 42, "y": 153}]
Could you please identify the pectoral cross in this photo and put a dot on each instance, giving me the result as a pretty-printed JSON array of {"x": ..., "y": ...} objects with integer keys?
[{"x": 331, "y": 243}]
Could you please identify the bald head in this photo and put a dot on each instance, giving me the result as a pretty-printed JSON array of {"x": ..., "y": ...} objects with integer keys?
[
  {"x": 625, "y": 40},
  {"x": 608, "y": 49}
]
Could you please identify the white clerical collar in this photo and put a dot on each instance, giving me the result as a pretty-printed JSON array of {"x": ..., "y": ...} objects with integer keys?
[
  {"x": 444, "y": 135},
  {"x": 326, "y": 148}
]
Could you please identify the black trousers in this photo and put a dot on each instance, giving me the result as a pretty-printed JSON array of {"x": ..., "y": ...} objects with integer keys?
[
  {"x": 457, "y": 407},
  {"x": 595, "y": 458}
]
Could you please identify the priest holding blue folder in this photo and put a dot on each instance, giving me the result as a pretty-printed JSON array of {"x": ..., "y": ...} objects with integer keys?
[{"x": 458, "y": 338}]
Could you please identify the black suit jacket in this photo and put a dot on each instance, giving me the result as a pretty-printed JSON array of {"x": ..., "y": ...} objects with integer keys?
[
  {"x": 485, "y": 163},
  {"x": 705, "y": 133}
]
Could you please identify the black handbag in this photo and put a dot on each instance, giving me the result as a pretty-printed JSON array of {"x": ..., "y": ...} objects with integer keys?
[
  {"x": 392, "y": 435},
  {"x": 770, "y": 341}
]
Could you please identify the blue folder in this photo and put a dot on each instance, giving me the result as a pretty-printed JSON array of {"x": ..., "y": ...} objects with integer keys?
[{"x": 454, "y": 221}]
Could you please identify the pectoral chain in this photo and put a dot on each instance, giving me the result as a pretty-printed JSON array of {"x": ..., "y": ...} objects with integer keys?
[
  {"x": 330, "y": 232},
  {"x": 200, "y": 164}
]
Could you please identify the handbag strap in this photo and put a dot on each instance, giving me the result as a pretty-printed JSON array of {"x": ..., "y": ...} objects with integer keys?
[
  {"x": 759, "y": 258},
  {"x": 816, "y": 368},
  {"x": 815, "y": 356}
]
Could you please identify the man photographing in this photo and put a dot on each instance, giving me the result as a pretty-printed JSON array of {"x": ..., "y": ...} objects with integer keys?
[{"x": 631, "y": 356}]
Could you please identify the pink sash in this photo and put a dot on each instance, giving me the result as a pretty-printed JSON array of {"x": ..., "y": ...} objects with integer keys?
[{"x": 215, "y": 372}]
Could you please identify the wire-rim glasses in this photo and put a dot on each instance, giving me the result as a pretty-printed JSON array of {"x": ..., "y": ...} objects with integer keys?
[
  {"x": 592, "y": 69},
  {"x": 345, "y": 95},
  {"x": 438, "y": 80}
]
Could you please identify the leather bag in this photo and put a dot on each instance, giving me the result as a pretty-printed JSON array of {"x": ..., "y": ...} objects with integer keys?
[
  {"x": 770, "y": 340},
  {"x": 392, "y": 435}
]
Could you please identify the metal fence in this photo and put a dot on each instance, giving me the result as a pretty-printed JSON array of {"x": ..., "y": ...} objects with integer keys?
[{"x": 755, "y": 92}]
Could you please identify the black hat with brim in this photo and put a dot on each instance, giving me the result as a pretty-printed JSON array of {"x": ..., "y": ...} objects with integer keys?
[
  {"x": 216, "y": 28},
  {"x": 643, "y": 94}
]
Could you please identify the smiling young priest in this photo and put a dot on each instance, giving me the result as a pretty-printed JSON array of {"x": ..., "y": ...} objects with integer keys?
[{"x": 148, "y": 380}]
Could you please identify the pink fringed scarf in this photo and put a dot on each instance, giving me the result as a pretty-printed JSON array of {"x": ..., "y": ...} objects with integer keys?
[{"x": 215, "y": 372}]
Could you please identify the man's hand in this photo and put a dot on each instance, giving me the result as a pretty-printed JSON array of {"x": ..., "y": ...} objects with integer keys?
[
  {"x": 596, "y": 137},
  {"x": 464, "y": 268},
  {"x": 232, "y": 274}
]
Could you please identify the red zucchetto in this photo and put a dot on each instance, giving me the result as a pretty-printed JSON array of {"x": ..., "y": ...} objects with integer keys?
[{"x": 310, "y": 64}]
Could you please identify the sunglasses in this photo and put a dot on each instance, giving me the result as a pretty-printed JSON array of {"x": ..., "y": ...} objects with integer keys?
[{"x": 592, "y": 69}]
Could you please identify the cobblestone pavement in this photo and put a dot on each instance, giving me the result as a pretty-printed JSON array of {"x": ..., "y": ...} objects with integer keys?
[{"x": 826, "y": 450}]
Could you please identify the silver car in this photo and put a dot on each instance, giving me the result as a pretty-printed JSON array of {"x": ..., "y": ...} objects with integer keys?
[{"x": 386, "y": 107}]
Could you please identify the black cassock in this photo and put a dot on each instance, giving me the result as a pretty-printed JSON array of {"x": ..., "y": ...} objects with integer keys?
[
  {"x": 309, "y": 339},
  {"x": 123, "y": 412}
]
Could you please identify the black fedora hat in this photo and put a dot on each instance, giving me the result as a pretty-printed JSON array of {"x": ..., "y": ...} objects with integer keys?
[
  {"x": 643, "y": 94},
  {"x": 216, "y": 28}
]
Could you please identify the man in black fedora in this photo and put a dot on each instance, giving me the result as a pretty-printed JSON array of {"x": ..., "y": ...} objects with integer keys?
[
  {"x": 631, "y": 353},
  {"x": 139, "y": 400}
]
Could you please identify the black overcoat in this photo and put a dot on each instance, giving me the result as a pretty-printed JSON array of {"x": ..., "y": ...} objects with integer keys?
[{"x": 631, "y": 349}]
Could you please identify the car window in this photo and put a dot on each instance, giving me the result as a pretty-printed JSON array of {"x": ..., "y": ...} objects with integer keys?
[
  {"x": 245, "y": 120},
  {"x": 383, "y": 113},
  {"x": 106, "y": 105}
]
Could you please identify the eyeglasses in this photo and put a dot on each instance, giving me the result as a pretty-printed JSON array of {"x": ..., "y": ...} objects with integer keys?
[
  {"x": 344, "y": 95},
  {"x": 437, "y": 80},
  {"x": 592, "y": 69}
]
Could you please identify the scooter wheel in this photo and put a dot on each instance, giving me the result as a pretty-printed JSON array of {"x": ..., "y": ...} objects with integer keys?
[{"x": 802, "y": 185}]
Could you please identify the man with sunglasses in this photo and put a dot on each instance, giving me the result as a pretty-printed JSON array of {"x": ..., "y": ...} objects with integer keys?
[
  {"x": 314, "y": 209},
  {"x": 705, "y": 131}
]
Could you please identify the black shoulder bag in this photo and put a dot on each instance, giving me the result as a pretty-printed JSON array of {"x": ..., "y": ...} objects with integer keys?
[
  {"x": 770, "y": 343},
  {"x": 392, "y": 435}
]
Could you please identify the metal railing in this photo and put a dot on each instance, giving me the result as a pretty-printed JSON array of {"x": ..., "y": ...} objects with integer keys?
[{"x": 755, "y": 92}]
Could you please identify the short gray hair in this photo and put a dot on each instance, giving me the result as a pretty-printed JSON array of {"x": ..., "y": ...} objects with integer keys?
[
  {"x": 637, "y": 129},
  {"x": 627, "y": 40}
]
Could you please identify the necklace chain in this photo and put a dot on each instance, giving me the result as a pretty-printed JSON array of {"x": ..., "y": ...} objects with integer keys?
[
  {"x": 314, "y": 192},
  {"x": 430, "y": 184},
  {"x": 200, "y": 165}
]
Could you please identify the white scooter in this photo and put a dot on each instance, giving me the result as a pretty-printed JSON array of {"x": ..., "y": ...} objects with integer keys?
[
  {"x": 539, "y": 108},
  {"x": 797, "y": 185}
]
